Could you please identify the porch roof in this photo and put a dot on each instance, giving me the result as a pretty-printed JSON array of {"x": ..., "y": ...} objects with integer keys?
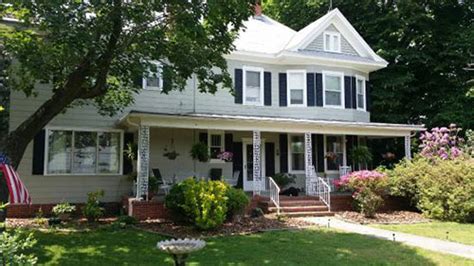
[{"x": 265, "y": 124}]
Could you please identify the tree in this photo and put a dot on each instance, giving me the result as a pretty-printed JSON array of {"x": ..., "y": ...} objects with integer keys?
[
  {"x": 427, "y": 44},
  {"x": 92, "y": 51}
]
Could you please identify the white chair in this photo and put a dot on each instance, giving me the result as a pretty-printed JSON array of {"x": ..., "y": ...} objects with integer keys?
[{"x": 235, "y": 178}]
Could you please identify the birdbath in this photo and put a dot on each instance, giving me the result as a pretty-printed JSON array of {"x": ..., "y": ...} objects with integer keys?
[{"x": 180, "y": 248}]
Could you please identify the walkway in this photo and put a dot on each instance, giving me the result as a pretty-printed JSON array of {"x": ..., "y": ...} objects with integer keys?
[{"x": 408, "y": 239}]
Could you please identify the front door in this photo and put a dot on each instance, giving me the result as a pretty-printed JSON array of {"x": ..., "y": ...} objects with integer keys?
[{"x": 247, "y": 147}]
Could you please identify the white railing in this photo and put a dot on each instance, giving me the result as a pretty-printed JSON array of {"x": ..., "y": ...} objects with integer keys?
[
  {"x": 274, "y": 193},
  {"x": 317, "y": 186}
]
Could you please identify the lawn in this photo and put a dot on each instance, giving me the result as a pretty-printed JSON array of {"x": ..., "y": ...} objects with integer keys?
[
  {"x": 462, "y": 233},
  {"x": 309, "y": 247}
]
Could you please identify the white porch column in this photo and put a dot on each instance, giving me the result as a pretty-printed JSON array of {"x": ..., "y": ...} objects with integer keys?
[
  {"x": 308, "y": 158},
  {"x": 408, "y": 147},
  {"x": 143, "y": 161},
  {"x": 257, "y": 170}
]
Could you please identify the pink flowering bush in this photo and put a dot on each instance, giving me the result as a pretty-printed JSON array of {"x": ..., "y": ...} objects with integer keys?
[
  {"x": 443, "y": 143},
  {"x": 368, "y": 187}
]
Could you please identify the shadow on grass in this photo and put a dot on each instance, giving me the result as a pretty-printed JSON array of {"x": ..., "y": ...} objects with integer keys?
[{"x": 309, "y": 247}]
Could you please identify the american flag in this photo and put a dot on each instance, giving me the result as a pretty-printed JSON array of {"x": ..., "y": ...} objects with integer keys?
[{"x": 18, "y": 192}]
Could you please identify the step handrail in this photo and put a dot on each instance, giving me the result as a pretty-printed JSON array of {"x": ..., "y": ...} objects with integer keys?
[
  {"x": 274, "y": 193},
  {"x": 324, "y": 192}
]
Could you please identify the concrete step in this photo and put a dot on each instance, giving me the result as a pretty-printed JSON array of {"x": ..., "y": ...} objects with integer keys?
[
  {"x": 289, "y": 203},
  {"x": 314, "y": 208},
  {"x": 307, "y": 214}
]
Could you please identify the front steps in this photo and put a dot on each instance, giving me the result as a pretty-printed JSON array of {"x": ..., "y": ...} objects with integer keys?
[{"x": 297, "y": 207}]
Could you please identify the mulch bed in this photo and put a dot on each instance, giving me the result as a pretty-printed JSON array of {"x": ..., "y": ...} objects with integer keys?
[
  {"x": 246, "y": 225},
  {"x": 394, "y": 217},
  {"x": 43, "y": 223}
]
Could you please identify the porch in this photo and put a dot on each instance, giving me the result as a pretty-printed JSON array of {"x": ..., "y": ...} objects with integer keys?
[{"x": 261, "y": 147}]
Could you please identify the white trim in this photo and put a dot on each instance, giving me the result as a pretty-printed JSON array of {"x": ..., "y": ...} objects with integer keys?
[
  {"x": 344, "y": 153},
  {"x": 288, "y": 89},
  {"x": 331, "y": 35},
  {"x": 82, "y": 129},
  {"x": 290, "y": 169},
  {"x": 333, "y": 74},
  {"x": 244, "y": 85},
  {"x": 215, "y": 132},
  {"x": 159, "y": 75},
  {"x": 364, "y": 91}
]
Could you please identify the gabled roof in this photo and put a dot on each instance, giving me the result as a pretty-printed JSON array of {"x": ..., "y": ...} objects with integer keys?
[
  {"x": 263, "y": 35},
  {"x": 268, "y": 39}
]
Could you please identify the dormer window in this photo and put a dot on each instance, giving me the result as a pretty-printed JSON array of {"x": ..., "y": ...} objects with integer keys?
[
  {"x": 360, "y": 90},
  {"x": 153, "y": 79},
  {"x": 332, "y": 42},
  {"x": 253, "y": 86}
]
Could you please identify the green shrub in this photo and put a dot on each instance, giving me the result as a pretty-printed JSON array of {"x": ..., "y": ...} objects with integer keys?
[
  {"x": 200, "y": 152},
  {"x": 13, "y": 245},
  {"x": 284, "y": 179},
  {"x": 441, "y": 189},
  {"x": 92, "y": 210},
  {"x": 63, "y": 208},
  {"x": 203, "y": 203},
  {"x": 125, "y": 219},
  {"x": 237, "y": 200}
]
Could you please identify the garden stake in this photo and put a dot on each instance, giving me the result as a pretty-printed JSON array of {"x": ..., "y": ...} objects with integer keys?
[
  {"x": 447, "y": 235},
  {"x": 393, "y": 236},
  {"x": 329, "y": 222}
]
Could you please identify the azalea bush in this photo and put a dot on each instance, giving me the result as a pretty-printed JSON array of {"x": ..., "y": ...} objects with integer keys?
[
  {"x": 441, "y": 189},
  {"x": 367, "y": 189},
  {"x": 443, "y": 143}
]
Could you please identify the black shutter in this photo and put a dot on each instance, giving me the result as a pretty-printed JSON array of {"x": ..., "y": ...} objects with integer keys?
[
  {"x": 319, "y": 89},
  {"x": 138, "y": 81},
  {"x": 203, "y": 137},
  {"x": 283, "y": 153},
  {"x": 127, "y": 167},
  {"x": 237, "y": 162},
  {"x": 347, "y": 92},
  {"x": 351, "y": 143},
  {"x": 267, "y": 88},
  {"x": 311, "y": 87},
  {"x": 38, "y": 153},
  {"x": 165, "y": 75},
  {"x": 354, "y": 93},
  {"x": 320, "y": 153},
  {"x": 228, "y": 143},
  {"x": 282, "y": 81},
  {"x": 269, "y": 159},
  {"x": 238, "y": 76},
  {"x": 368, "y": 99}
]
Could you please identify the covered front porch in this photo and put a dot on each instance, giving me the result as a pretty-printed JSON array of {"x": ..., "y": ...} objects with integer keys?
[{"x": 315, "y": 151}]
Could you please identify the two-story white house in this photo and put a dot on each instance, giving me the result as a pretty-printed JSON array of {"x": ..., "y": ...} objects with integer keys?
[{"x": 298, "y": 96}]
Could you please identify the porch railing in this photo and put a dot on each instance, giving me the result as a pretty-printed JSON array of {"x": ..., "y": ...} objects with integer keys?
[
  {"x": 274, "y": 193},
  {"x": 319, "y": 187}
]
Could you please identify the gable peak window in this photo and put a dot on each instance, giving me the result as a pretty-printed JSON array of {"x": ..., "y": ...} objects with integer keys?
[
  {"x": 253, "y": 85},
  {"x": 333, "y": 86},
  {"x": 360, "y": 92},
  {"x": 332, "y": 41},
  {"x": 296, "y": 87},
  {"x": 153, "y": 78}
]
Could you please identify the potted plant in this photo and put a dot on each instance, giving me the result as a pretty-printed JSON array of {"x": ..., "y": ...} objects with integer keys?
[
  {"x": 361, "y": 156},
  {"x": 284, "y": 179},
  {"x": 63, "y": 211},
  {"x": 200, "y": 152},
  {"x": 225, "y": 156},
  {"x": 132, "y": 154}
]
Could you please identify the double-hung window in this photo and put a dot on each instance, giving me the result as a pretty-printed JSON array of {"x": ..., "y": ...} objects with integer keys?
[
  {"x": 360, "y": 91},
  {"x": 333, "y": 89},
  {"x": 296, "y": 87},
  {"x": 253, "y": 85},
  {"x": 215, "y": 143},
  {"x": 83, "y": 152},
  {"x": 296, "y": 147},
  {"x": 153, "y": 78},
  {"x": 335, "y": 149},
  {"x": 332, "y": 41}
]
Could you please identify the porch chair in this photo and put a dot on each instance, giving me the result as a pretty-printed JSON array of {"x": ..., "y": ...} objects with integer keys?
[
  {"x": 233, "y": 181},
  {"x": 163, "y": 184}
]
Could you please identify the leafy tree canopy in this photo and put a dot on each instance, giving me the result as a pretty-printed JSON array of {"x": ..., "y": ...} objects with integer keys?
[
  {"x": 92, "y": 51},
  {"x": 428, "y": 44}
]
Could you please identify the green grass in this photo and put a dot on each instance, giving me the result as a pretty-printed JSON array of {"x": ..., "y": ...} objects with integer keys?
[
  {"x": 462, "y": 233},
  {"x": 309, "y": 247}
]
